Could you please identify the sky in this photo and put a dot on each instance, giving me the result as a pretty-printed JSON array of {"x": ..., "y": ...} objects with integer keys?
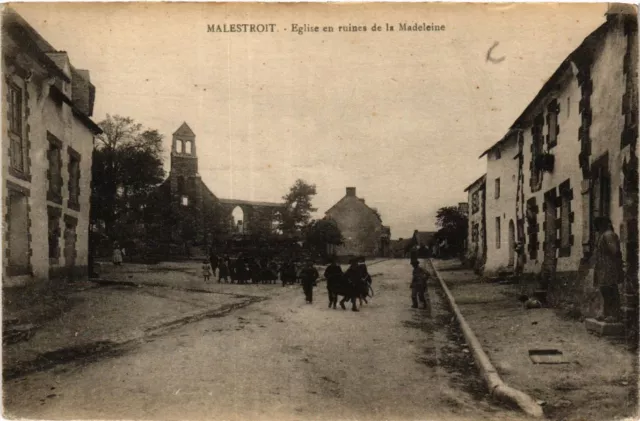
[{"x": 401, "y": 116}]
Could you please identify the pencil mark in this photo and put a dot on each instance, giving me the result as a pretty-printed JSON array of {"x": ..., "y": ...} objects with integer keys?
[{"x": 490, "y": 58}]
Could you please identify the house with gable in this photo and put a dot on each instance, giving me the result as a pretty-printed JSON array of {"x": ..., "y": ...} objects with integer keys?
[{"x": 361, "y": 226}]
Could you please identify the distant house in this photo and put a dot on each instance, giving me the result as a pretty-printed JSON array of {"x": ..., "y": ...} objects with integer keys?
[
  {"x": 46, "y": 157},
  {"x": 361, "y": 227},
  {"x": 399, "y": 248},
  {"x": 425, "y": 241},
  {"x": 477, "y": 236},
  {"x": 463, "y": 208}
]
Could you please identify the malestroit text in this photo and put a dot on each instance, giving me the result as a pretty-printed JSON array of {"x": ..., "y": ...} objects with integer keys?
[
  {"x": 242, "y": 27},
  {"x": 300, "y": 29}
]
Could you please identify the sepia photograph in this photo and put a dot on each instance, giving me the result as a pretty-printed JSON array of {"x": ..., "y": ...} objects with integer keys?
[{"x": 320, "y": 211}]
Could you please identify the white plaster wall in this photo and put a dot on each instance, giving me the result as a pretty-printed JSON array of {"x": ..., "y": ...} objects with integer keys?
[
  {"x": 606, "y": 103},
  {"x": 567, "y": 166},
  {"x": 504, "y": 207},
  {"x": 45, "y": 116}
]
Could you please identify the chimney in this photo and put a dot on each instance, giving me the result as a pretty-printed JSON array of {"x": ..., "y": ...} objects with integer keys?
[{"x": 351, "y": 191}]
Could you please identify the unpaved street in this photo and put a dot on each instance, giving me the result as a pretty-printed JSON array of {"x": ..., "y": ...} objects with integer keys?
[{"x": 280, "y": 359}]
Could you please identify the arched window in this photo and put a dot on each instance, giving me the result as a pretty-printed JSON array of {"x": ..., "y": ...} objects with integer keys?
[
  {"x": 238, "y": 218},
  {"x": 187, "y": 147}
]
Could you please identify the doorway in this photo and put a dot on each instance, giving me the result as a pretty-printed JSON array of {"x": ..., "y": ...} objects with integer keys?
[
  {"x": 550, "y": 237},
  {"x": 70, "y": 224},
  {"x": 18, "y": 227},
  {"x": 512, "y": 244}
]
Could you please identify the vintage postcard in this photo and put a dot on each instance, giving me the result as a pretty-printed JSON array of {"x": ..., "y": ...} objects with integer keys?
[{"x": 382, "y": 211}]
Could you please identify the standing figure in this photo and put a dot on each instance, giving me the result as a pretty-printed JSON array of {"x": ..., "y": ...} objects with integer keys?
[
  {"x": 414, "y": 254},
  {"x": 608, "y": 271},
  {"x": 418, "y": 285},
  {"x": 117, "y": 255},
  {"x": 366, "y": 279},
  {"x": 213, "y": 258},
  {"x": 334, "y": 276},
  {"x": 223, "y": 272},
  {"x": 206, "y": 270},
  {"x": 308, "y": 277}
]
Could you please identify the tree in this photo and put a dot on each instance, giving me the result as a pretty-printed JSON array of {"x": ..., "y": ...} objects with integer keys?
[
  {"x": 321, "y": 233},
  {"x": 453, "y": 228},
  {"x": 127, "y": 168},
  {"x": 296, "y": 214}
]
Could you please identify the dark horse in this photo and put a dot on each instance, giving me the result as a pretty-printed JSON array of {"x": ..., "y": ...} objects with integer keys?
[{"x": 349, "y": 286}]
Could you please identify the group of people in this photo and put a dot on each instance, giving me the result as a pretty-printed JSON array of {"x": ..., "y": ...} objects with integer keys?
[
  {"x": 245, "y": 269},
  {"x": 354, "y": 284},
  {"x": 240, "y": 270}
]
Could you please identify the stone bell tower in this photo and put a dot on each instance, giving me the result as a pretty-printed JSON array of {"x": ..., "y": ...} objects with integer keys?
[{"x": 184, "y": 160}]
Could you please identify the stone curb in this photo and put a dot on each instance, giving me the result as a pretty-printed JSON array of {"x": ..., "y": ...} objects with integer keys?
[{"x": 497, "y": 387}]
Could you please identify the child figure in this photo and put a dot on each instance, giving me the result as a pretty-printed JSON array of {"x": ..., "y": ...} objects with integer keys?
[{"x": 206, "y": 270}]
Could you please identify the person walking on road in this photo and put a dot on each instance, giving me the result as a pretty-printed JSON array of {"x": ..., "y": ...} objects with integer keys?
[
  {"x": 334, "y": 276},
  {"x": 308, "y": 277},
  {"x": 418, "y": 285}
]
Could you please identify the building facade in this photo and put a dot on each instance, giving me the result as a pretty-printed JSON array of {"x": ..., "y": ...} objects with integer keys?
[
  {"x": 361, "y": 227},
  {"x": 500, "y": 212},
  {"x": 46, "y": 157},
  {"x": 476, "y": 234},
  {"x": 569, "y": 158}
]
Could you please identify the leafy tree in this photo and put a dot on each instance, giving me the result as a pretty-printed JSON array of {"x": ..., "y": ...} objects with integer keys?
[
  {"x": 127, "y": 167},
  {"x": 453, "y": 228},
  {"x": 320, "y": 233},
  {"x": 296, "y": 214}
]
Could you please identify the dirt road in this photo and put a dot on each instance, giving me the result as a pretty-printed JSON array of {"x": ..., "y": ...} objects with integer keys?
[{"x": 280, "y": 359}]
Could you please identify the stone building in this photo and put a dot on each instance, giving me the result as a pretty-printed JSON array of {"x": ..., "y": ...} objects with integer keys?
[
  {"x": 569, "y": 158},
  {"x": 477, "y": 236},
  {"x": 200, "y": 218},
  {"x": 46, "y": 157},
  {"x": 361, "y": 227}
]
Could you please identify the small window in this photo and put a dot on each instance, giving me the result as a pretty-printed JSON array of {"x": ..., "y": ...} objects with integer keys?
[
  {"x": 14, "y": 114},
  {"x": 475, "y": 202},
  {"x": 53, "y": 215},
  {"x": 553, "y": 129},
  {"x": 74, "y": 179},
  {"x": 497, "y": 188},
  {"x": 498, "y": 239},
  {"x": 185, "y": 201},
  {"x": 55, "y": 173},
  {"x": 553, "y": 110},
  {"x": 497, "y": 154},
  {"x": 14, "y": 96}
]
